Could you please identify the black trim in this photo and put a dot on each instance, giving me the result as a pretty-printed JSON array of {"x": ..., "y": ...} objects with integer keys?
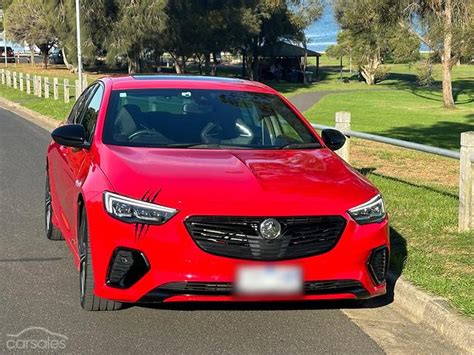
[
  {"x": 371, "y": 267},
  {"x": 328, "y": 287},
  {"x": 124, "y": 275}
]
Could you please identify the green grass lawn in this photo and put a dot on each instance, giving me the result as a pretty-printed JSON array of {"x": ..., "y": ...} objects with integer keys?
[
  {"x": 405, "y": 114},
  {"x": 399, "y": 108},
  {"x": 56, "y": 109},
  {"x": 426, "y": 246}
]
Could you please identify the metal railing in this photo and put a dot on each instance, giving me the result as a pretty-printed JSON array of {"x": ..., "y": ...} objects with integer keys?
[
  {"x": 398, "y": 142},
  {"x": 465, "y": 156}
]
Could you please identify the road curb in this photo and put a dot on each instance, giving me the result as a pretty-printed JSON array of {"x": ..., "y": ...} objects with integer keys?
[
  {"x": 433, "y": 312},
  {"x": 43, "y": 121}
]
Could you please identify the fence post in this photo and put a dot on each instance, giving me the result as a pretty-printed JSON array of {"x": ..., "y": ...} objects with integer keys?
[
  {"x": 466, "y": 177},
  {"x": 84, "y": 82},
  {"x": 343, "y": 123},
  {"x": 28, "y": 84},
  {"x": 46, "y": 87},
  {"x": 35, "y": 85},
  {"x": 66, "y": 90},
  {"x": 9, "y": 78},
  {"x": 55, "y": 88},
  {"x": 21, "y": 82},
  {"x": 2, "y": 71},
  {"x": 38, "y": 78},
  {"x": 78, "y": 89},
  {"x": 15, "y": 85}
]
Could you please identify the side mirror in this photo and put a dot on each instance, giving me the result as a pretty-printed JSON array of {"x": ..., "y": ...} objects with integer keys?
[
  {"x": 333, "y": 138},
  {"x": 71, "y": 135}
]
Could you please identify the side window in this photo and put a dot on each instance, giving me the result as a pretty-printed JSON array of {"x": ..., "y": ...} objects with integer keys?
[
  {"x": 90, "y": 114},
  {"x": 78, "y": 107}
]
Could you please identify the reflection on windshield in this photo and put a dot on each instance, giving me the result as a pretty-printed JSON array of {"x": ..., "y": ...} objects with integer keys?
[{"x": 212, "y": 119}]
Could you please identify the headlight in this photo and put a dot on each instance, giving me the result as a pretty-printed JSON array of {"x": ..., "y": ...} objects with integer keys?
[
  {"x": 130, "y": 210},
  {"x": 372, "y": 211}
]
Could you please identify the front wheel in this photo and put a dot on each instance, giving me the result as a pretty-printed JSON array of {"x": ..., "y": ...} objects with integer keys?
[
  {"x": 52, "y": 233},
  {"x": 89, "y": 301}
]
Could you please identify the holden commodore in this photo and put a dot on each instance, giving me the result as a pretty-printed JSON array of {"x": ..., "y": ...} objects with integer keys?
[{"x": 180, "y": 188}]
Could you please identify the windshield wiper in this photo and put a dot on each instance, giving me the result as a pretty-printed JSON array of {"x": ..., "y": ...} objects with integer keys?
[
  {"x": 205, "y": 145},
  {"x": 300, "y": 146}
]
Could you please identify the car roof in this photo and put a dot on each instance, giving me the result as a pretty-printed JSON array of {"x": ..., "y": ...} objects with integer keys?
[{"x": 157, "y": 81}]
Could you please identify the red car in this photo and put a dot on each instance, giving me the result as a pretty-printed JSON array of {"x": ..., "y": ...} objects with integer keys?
[{"x": 171, "y": 188}]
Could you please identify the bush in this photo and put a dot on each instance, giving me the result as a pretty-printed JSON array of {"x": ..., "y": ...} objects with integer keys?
[
  {"x": 381, "y": 73},
  {"x": 424, "y": 73}
]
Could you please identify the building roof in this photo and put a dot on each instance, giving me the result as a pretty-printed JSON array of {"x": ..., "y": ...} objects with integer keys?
[{"x": 283, "y": 49}]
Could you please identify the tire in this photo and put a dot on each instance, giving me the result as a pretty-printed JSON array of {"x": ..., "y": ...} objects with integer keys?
[
  {"x": 89, "y": 301},
  {"x": 52, "y": 233}
]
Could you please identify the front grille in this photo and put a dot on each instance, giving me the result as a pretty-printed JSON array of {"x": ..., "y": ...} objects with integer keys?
[
  {"x": 239, "y": 237},
  {"x": 328, "y": 287}
]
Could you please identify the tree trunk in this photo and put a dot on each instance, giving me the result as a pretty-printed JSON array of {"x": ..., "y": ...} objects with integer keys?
[
  {"x": 32, "y": 55},
  {"x": 368, "y": 74},
  {"x": 66, "y": 62},
  {"x": 178, "y": 65},
  {"x": 214, "y": 65},
  {"x": 305, "y": 61},
  {"x": 255, "y": 62},
  {"x": 255, "y": 67},
  {"x": 133, "y": 64},
  {"x": 45, "y": 60},
  {"x": 369, "y": 70},
  {"x": 448, "y": 100},
  {"x": 207, "y": 63},
  {"x": 244, "y": 63}
]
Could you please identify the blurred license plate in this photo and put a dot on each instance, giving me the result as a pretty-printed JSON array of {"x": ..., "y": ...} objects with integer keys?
[{"x": 269, "y": 280}]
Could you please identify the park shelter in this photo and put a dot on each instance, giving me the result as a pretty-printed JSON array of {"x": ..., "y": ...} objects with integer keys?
[{"x": 287, "y": 50}]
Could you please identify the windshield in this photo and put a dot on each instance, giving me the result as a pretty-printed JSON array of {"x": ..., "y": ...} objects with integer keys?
[{"x": 182, "y": 118}]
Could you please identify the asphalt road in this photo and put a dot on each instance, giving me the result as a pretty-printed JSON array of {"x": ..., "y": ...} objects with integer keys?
[{"x": 39, "y": 286}]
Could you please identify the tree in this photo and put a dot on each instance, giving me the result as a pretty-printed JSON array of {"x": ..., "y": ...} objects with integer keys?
[
  {"x": 97, "y": 17},
  {"x": 138, "y": 25},
  {"x": 446, "y": 27},
  {"x": 29, "y": 21},
  {"x": 264, "y": 22},
  {"x": 370, "y": 32}
]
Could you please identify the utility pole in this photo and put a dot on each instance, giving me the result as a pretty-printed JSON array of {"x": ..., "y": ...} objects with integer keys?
[
  {"x": 2, "y": 17},
  {"x": 79, "y": 54}
]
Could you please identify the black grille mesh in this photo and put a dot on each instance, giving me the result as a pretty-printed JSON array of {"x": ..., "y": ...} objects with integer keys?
[
  {"x": 238, "y": 237},
  {"x": 378, "y": 264}
]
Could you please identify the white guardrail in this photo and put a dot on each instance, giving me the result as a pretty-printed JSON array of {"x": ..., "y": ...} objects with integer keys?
[{"x": 465, "y": 156}]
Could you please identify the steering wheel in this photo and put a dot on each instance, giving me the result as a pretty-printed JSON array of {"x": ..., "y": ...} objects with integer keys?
[
  {"x": 139, "y": 133},
  {"x": 210, "y": 133}
]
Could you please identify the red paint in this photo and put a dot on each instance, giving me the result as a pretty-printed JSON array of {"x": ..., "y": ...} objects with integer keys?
[{"x": 208, "y": 182}]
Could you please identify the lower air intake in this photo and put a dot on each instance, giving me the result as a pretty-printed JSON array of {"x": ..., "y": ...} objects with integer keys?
[
  {"x": 378, "y": 265},
  {"x": 127, "y": 266}
]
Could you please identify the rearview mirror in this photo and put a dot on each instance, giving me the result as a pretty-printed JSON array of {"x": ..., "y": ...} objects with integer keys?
[
  {"x": 71, "y": 135},
  {"x": 333, "y": 138}
]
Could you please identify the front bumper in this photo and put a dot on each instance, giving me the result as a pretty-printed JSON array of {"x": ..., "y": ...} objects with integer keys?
[{"x": 178, "y": 270}]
